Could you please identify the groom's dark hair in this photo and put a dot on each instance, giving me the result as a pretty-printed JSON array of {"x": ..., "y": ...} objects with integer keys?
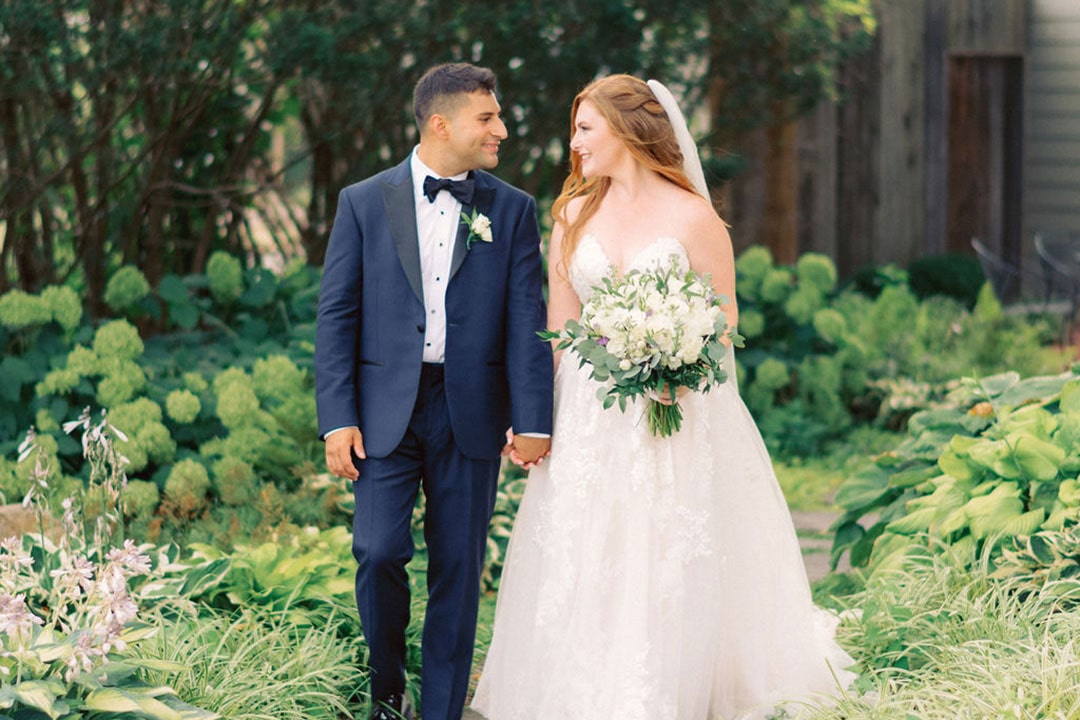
[{"x": 437, "y": 90}]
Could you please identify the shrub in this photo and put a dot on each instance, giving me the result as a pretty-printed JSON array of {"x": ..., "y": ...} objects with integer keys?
[
  {"x": 19, "y": 309},
  {"x": 118, "y": 339},
  {"x": 183, "y": 406},
  {"x": 64, "y": 306},
  {"x": 226, "y": 277},
  {"x": 186, "y": 488},
  {"x": 956, "y": 276},
  {"x": 140, "y": 498},
  {"x": 126, "y": 288},
  {"x": 235, "y": 481}
]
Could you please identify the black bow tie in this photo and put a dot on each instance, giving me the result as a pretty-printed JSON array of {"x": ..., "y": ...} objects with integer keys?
[{"x": 462, "y": 190}]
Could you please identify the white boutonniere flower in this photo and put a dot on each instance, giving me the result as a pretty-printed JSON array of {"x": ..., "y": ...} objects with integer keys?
[{"x": 479, "y": 226}]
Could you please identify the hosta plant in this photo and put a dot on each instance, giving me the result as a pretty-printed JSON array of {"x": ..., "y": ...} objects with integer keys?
[
  {"x": 1046, "y": 562},
  {"x": 999, "y": 459},
  {"x": 68, "y": 612}
]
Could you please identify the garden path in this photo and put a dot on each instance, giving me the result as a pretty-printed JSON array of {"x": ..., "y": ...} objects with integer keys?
[{"x": 816, "y": 541}]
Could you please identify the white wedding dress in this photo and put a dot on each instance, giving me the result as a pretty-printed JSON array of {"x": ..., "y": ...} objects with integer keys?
[{"x": 653, "y": 578}]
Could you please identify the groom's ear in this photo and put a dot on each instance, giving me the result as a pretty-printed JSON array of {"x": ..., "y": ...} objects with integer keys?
[{"x": 438, "y": 126}]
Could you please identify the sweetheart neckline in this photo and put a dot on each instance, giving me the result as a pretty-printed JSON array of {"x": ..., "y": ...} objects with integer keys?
[{"x": 633, "y": 258}]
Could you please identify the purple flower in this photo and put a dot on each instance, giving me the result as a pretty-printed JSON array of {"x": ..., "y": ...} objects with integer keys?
[
  {"x": 15, "y": 617},
  {"x": 602, "y": 342}
]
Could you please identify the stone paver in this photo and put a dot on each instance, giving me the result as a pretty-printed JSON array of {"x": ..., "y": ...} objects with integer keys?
[{"x": 816, "y": 541}]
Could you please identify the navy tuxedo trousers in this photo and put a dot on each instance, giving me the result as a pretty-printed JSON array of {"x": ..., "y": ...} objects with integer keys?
[{"x": 460, "y": 497}]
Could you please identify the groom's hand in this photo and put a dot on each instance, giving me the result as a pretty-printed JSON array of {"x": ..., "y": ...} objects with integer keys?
[
  {"x": 340, "y": 447},
  {"x": 528, "y": 451}
]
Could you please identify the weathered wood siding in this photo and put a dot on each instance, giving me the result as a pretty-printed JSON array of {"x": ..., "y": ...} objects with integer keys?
[
  {"x": 881, "y": 175},
  {"x": 1052, "y": 103}
]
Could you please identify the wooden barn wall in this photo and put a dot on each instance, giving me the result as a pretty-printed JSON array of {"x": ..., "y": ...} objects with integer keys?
[{"x": 873, "y": 169}]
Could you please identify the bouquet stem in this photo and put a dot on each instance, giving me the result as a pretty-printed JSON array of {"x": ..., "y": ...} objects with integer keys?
[{"x": 663, "y": 419}]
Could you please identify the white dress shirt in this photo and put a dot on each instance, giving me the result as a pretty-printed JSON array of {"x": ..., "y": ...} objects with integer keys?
[{"x": 437, "y": 227}]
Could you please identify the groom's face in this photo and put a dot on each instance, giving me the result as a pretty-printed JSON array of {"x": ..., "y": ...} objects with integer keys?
[{"x": 474, "y": 131}]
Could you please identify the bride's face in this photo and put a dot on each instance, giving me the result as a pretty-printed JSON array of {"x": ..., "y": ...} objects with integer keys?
[{"x": 594, "y": 142}]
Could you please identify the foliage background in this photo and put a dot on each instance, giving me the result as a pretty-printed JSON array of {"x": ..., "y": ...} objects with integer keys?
[{"x": 156, "y": 133}]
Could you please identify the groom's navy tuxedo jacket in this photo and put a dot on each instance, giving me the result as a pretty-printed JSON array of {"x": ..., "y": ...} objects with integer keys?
[{"x": 370, "y": 333}]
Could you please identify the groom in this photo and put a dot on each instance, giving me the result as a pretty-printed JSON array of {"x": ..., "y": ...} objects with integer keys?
[{"x": 425, "y": 354}]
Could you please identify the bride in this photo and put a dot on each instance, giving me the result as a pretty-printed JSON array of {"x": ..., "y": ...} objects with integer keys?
[{"x": 649, "y": 578}]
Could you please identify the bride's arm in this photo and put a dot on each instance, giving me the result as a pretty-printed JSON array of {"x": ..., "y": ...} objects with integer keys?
[
  {"x": 710, "y": 251},
  {"x": 563, "y": 302}
]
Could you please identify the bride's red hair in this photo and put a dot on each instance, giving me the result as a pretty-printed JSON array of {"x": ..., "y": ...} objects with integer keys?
[{"x": 638, "y": 119}]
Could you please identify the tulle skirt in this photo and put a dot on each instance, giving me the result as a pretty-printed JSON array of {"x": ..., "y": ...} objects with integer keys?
[{"x": 655, "y": 578}]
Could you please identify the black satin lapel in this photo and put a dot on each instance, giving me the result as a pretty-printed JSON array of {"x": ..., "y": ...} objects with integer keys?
[
  {"x": 401, "y": 214},
  {"x": 483, "y": 198}
]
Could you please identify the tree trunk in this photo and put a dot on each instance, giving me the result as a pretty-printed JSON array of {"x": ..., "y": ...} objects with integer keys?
[{"x": 781, "y": 193}]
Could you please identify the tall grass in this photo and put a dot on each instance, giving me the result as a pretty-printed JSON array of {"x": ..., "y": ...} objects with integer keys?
[
  {"x": 938, "y": 642},
  {"x": 253, "y": 666}
]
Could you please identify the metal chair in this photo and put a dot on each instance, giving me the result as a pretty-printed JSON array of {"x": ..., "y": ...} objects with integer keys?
[
  {"x": 1005, "y": 278},
  {"x": 1059, "y": 258},
  {"x": 1009, "y": 281}
]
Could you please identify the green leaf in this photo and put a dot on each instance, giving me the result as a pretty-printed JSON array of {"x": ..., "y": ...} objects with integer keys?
[
  {"x": 16, "y": 373},
  {"x": 995, "y": 455},
  {"x": 203, "y": 577},
  {"x": 1042, "y": 550},
  {"x": 955, "y": 466},
  {"x": 1070, "y": 397},
  {"x": 991, "y": 514},
  {"x": 846, "y": 536},
  {"x": 38, "y": 694},
  {"x": 262, "y": 286},
  {"x": 1036, "y": 458},
  {"x": 913, "y": 476},
  {"x": 915, "y": 522},
  {"x": 954, "y": 521},
  {"x": 172, "y": 290},
  {"x": 1069, "y": 492},
  {"x": 185, "y": 315},
  {"x": 997, "y": 384},
  {"x": 1025, "y": 524},
  {"x": 140, "y": 701},
  {"x": 1041, "y": 389},
  {"x": 1032, "y": 419},
  {"x": 863, "y": 489}
]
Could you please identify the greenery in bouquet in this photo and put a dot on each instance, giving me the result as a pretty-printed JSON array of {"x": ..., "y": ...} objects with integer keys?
[{"x": 646, "y": 334}]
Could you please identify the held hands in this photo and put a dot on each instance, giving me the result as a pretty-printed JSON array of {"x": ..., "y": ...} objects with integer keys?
[
  {"x": 340, "y": 447},
  {"x": 526, "y": 451}
]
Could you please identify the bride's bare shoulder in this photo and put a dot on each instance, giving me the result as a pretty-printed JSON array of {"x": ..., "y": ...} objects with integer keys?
[
  {"x": 699, "y": 222},
  {"x": 573, "y": 208}
]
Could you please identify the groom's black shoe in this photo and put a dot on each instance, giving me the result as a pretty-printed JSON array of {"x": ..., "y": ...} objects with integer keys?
[{"x": 394, "y": 707}]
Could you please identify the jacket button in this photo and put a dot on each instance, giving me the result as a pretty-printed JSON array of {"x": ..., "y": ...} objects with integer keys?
[{"x": 419, "y": 328}]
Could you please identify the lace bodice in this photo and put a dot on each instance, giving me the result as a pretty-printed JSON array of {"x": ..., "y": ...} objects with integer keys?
[{"x": 589, "y": 265}]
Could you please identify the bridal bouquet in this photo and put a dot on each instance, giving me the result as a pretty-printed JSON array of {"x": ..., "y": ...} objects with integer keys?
[{"x": 648, "y": 333}]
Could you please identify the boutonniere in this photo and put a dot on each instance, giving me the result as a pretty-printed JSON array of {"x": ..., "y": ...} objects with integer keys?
[{"x": 479, "y": 226}]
